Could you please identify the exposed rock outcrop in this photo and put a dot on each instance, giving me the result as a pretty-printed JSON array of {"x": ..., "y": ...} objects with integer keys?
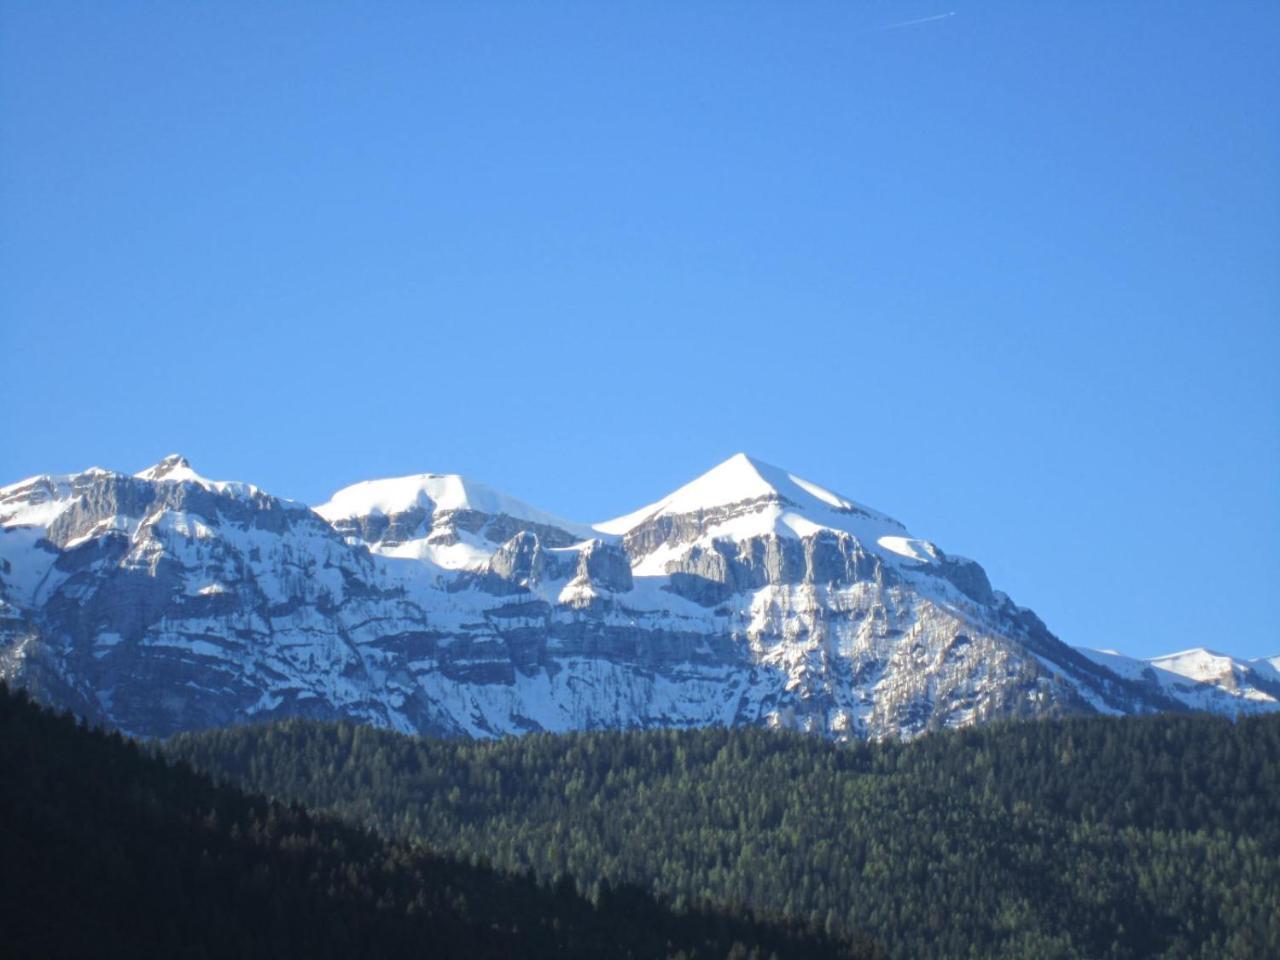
[{"x": 165, "y": 601}]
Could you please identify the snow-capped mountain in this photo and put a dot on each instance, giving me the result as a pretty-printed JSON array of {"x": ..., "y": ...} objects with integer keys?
[
  {"x": 447, "y": 519},
  {"x": 1202, "y": 679},
  {"x": 165, "y": 601}
]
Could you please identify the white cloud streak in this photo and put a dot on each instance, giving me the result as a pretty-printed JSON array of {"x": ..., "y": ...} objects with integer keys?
[{"x": 912, "y": 23}]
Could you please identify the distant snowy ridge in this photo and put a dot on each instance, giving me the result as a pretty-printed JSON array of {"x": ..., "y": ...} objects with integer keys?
[
  {"x": 164, "y": 601},
  {"x": 1202, "y": 679}
]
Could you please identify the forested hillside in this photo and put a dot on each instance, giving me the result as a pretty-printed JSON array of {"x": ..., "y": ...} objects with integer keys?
[
  {"x": 1119, "y": 838},
  {"x": 107, "y": 850}
]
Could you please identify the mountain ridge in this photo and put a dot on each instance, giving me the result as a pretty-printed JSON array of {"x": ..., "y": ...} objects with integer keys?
[{"x": 162, "y": 601}]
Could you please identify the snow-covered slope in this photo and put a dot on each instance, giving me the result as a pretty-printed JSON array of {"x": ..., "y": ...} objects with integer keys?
[
  {"x": 743, "y": 498},
  {"x": 175, "y": 469},
  {"x": 1201, "y": 679},
  {"x": 443, "y": 518},
  {"x": 1267, "y": 667},
  {"x": 741, "y": 482},
  {"x": 165, "y": 601}
]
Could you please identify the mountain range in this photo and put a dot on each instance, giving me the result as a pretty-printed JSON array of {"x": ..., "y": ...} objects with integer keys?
[{"x": 163, "y": 601}]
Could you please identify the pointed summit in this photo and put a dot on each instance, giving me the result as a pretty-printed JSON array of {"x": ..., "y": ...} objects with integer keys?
[
  {"x": 737, "y": 479},
  {"x": 176, "y": 468},
  {"x": 743, "y": 479},
  {"x": 173, "y": 467}
]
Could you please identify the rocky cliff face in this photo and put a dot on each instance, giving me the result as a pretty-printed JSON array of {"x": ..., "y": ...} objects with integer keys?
[{"x": 164, "y": 601}]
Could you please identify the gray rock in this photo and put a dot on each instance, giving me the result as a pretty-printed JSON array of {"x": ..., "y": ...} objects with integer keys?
[
  {"x": 523, "y": 562},
  {"x": 606, "y": 566},
  {"x": 156, "y": 604}
]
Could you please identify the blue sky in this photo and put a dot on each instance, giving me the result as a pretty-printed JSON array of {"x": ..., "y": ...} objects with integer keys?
[{"x": 1010, "y": 275}]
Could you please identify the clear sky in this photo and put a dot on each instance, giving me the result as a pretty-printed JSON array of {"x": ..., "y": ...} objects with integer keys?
[{"x": 1009, "y": 273}]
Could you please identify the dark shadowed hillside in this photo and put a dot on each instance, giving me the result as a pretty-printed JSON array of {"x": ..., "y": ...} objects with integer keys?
[
  {"x": 1122, "y": 838},
  {"x": 107, "y": 850}
]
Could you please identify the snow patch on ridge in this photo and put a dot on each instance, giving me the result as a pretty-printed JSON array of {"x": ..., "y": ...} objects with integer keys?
[
  {"x": 35, "y": 501},
  {"x": 921, "y": 551},
  {"x": 1195, "y": 664},
  {"x": 439, "y": 493}
]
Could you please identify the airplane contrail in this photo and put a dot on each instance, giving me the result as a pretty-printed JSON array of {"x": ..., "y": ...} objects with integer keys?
[{"x": 912, "y": 23}]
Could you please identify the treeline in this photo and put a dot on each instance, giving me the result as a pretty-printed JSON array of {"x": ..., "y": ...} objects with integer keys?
[
  {"x": 1100, "y": 838},
  {"x": 107, "y": 850}
]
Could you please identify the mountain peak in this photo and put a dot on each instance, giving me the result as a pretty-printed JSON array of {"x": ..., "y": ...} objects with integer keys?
[
  {"x": 1198, "y": 663},
  {"x": 743, "y": 479},
  {"x": 176, "y": 468},
  {"x": 173, "y": 467},
  {"x": 737, "y": 479},
  {"x": 747, "y": 596},
  {"x": 442, "y": 492}
]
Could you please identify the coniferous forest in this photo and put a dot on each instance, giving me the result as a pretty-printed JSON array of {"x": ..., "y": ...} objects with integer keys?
[
  {"x": 1099, "y": 837},
  {"x": 107, "y": 850},
  {"x": 1135, "y": 837}
]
